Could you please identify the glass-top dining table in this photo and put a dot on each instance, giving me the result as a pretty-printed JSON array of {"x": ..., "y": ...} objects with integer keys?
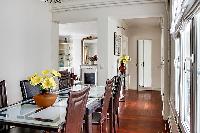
[{"x": 27, "y": 114}]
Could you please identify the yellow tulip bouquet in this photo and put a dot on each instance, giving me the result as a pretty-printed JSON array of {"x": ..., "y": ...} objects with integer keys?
[
  {"x": 45, "y": 81},
  {"x": 124, "y": 59}
]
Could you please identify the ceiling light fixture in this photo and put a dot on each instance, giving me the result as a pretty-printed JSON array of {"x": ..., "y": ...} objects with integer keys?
[
  {"x": 53, "y": 1},
  {"x": 121, "y": 27}
]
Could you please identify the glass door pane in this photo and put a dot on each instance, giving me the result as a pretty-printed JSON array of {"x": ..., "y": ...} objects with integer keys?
[
  {"x": 198, "y": 73},
  {"x": 185, "y": 77},
  {"x": 177, "y": 73}
]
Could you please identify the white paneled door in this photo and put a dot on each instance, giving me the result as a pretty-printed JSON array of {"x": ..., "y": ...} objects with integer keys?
[
  {"x": 140, "y": 63},
  {"x": 144, "y": 63},
  {"x": 147, "y": 63}
]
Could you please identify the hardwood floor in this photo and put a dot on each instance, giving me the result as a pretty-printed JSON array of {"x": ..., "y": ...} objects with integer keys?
[{"x": 141, "y": 113}]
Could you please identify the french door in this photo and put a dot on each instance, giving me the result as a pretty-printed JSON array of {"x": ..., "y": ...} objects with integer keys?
[
  {"x": 198, "y": 72},
  {"x": 144, "y": 63},
  {"x": 185, "y": 84}
]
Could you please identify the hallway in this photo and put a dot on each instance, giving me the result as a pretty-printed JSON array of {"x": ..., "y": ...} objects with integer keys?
[{"x": 141, "y": 113}]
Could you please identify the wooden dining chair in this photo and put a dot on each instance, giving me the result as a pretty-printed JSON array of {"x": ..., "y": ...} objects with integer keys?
[
  {"x": 75, "y": 111},
  {"x": 64, "y": 80},
  {"x": 28, "y": 90},
  {"x": 3, "y": 103},
  {"x": 100, "y": 118}
]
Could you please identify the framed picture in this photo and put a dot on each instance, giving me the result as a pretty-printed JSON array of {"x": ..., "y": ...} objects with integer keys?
[{"x": 117, "y": 44}]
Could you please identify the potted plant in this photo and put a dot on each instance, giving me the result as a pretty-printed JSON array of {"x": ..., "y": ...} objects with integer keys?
[
  {"x": 46, "y": 82},
  {"x": 124, "y": 59}
]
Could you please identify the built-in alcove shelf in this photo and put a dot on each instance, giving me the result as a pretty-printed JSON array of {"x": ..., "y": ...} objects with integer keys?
[{"x": 65, "y": 54}]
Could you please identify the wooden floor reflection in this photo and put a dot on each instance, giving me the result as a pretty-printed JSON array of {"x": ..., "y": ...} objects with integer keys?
[{"x": 141, "y": 113}]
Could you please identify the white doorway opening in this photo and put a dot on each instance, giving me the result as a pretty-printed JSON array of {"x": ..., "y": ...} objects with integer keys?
[{"x": 144, "y": 64}]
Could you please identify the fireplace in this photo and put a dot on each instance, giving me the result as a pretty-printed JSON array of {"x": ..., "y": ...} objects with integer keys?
[
  {"x": 89, "y": 78},
  {"x": 89, "y": 74}
]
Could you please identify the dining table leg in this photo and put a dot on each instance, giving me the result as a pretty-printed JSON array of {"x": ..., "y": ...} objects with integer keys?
[{"x": 88, "y": 122}]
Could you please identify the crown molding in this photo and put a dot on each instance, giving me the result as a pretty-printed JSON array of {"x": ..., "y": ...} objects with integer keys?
[{"x": 70, "y": 5}]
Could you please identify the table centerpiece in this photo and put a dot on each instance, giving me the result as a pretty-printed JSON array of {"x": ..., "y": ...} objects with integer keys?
[{"x": 46, "y": 82}]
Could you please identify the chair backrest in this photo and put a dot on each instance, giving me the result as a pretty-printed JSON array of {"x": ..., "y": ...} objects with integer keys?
[
  {"x": 3, "y": 95},
  {"x": 116, "y": 94},
  {"x": 106, "y": 99},
  {"x": 3, "y": 103},
  {"x": 64, "y": 80},
  {"x": 76, "y": 109},
  {"x": 28, "y": 90}
]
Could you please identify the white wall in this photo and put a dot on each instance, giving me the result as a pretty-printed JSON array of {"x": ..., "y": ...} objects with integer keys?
[
  {"x": 112, "y": 59},
  {"x": 76, "y": 54},
  {"x": 142, "y": 32},
  {"x": 102, "y": 50},
  {"x": 107, "y": 63},
  {"x": 25, "y": 41},
  {"x": 55, "y": 45}
]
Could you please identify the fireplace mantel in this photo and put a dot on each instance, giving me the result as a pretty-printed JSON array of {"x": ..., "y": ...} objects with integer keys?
[{"x": 89, "y": 74}]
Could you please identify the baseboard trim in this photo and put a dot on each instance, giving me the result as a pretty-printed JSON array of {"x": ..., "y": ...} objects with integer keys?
[{"x": 148, "y": 88}]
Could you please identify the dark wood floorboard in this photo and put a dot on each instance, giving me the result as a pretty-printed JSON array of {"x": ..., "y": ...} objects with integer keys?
[{"x": 141, "y": 113}]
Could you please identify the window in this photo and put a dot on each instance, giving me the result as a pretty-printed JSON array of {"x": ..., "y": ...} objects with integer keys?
[
  {"x": 177, "y": 73},
  {"x": 198, "y": 73},
  {"x": 185, "y": 78},
  {"x": 187, "y": 63}
]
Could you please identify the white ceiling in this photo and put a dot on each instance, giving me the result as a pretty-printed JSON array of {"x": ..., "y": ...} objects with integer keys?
[
  {"x": 78, "y": 29},
  {"x": 152, "y": 21},
  {"x": 69, "y": 5}
]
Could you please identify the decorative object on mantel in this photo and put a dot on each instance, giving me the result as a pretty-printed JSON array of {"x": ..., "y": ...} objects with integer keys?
[
  {"x": 117, "y": 44},
  {"x": 46, "y": 82},
  {"x": 93, "y": 59},
  {"x": 124, "y": 59},
  {"x": 53, "y": 1}
]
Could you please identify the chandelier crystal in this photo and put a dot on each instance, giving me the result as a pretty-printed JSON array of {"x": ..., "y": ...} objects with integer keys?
[{"x": 53, "y": 1}]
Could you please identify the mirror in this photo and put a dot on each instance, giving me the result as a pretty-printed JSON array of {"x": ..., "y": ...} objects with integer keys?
[{"x": 89, "y": 49}]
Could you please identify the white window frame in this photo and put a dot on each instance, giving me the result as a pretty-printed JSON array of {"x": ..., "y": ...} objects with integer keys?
[
  {"x": 177, "y": 64},
  {"x": 185, "y": 67},
  {"x": 198, "y": 72}
]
